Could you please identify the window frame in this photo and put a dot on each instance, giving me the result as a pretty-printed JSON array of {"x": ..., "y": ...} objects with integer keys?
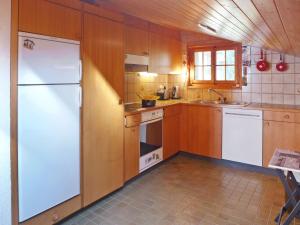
[{"x": 214, "y": 83}]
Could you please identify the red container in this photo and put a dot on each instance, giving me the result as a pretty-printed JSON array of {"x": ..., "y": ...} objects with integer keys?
[
  {"x": 262, "y": 64},
  {"x": 281, "y": 66}
]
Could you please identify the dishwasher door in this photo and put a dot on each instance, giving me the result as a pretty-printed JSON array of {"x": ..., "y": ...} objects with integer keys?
[{"x": 242, "y": 136}]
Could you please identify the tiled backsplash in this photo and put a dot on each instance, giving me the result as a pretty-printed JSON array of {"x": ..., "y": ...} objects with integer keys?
[
  {"x": 136, "y": 83},
  {"x": 263, "y": 87}
]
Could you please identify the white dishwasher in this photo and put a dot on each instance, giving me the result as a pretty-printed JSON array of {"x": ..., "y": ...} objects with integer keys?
[{"x": 242, "y": 136}]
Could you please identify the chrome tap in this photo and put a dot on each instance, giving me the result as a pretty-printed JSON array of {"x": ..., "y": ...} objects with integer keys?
[{"x": 222, "y": 97}]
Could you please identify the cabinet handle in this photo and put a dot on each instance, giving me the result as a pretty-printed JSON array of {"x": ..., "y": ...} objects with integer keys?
[
  {"x": 267, "y": 123},
  {"x": 286, "y": 116},
  {"x": 120, "y": 101},
  {"x": 55, "y": 217}
]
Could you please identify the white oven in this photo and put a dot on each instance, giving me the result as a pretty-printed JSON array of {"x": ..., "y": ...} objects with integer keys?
[{"x": 151, "y": 151}]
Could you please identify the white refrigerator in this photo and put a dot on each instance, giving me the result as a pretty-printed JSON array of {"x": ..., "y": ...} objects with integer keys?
[{"x": 49, "y": 101}]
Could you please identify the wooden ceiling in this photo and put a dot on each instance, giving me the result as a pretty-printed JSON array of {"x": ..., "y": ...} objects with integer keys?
[{"x": 272, "y": 24}]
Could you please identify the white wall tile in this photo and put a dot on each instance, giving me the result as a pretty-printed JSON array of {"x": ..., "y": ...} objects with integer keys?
[
  {"x": 246, "y": 97},
  {"x": 297, "y": 89},
  {"x": 256, "y": 78},
  {"x": 297, "y": 67},
  {"x": 256, "y": 88},
  {"x": 256, "y": 97},
  {"x": 277, "y": 88},
  {"x": 246, "y": 88},
  {"x": 277, "y": 78},
  {"x": 266, "y": 98},
  {"x": 289, "y": 99},
  {"x": 289, "y": 78},
  {"x": 289, "y": 88},
  {"x": 236, "y": 97},
  {"x": 297, "y": 78},
  {"x": 277, "y": 99},
  {"x": 266, "y": 88},
  {"x": 297, "y": 99},
  {"x": 266, "y": 78},
  {"x": 297, "y": 59}
]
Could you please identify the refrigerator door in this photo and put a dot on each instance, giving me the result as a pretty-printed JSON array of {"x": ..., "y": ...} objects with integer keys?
[
  {"x": 48, "y": 61},
  {"x": 48, "y": 147}
]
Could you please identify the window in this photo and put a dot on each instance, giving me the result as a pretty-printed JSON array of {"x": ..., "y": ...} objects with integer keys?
[{"x": 215, "y": 66}]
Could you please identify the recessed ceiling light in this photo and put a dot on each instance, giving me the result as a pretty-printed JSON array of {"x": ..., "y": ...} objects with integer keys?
[{"x": 201, "y": 25}]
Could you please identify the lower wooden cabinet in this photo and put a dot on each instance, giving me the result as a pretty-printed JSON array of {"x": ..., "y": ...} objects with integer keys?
[
  {"x": 171, "y": 131},
  {"x": 279, "y": 135},
  {"x": 204, "y": 131},
  {"x": 132, "y": 152}
]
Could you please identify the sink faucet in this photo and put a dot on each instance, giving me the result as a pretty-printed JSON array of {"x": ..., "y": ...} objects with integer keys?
[{"x": 222, "y": 97}]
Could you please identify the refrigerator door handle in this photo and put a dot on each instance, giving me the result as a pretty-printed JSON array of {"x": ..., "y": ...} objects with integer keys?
[
  {"x": 80, "y": 70},
  {"x": 80, "y": 96}
]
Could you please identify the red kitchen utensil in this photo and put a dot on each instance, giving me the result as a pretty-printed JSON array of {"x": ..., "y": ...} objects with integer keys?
[
  {"x": 281, "y": 66},
  {"x": 262, "y": 64}
]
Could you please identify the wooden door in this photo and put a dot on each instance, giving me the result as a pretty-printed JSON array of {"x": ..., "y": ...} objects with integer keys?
[
  {"x": 103, "y": 113},
  {"x": 132, "y": 152},
  {"x": 279, "y": 135},
  {"x": 171, "y": 131},
  {"x": 205, "y": 131},
  {"x": 136, "y": 41}
]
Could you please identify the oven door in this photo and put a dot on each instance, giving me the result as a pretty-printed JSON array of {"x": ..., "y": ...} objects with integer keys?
[{"x": 151, "y": 151}]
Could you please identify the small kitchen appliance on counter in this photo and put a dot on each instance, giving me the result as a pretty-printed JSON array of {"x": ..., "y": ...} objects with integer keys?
[
  {"x": 176, "y": 92},
  {"x": 163, "y": 93}
]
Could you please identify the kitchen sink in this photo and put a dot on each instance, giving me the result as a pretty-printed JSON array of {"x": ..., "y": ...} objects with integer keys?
[{"x": 217, "y": 102}]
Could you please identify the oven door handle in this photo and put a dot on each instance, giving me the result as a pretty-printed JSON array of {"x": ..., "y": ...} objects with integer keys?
[{"x": 151, "y": 121}]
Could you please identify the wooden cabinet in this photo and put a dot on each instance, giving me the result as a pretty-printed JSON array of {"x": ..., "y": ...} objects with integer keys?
[
  {"x": 103, "y": 115},
  {"x": 136, "y": 41},
  {"x": 204, "y": 136},
  {"x": 278, "y": 134},
  {"x": 132, "y": 152},
  {"x": 171, "y": 131},
  {"x": 165, "y": 54},
  {"x": 46, "y": 18}
]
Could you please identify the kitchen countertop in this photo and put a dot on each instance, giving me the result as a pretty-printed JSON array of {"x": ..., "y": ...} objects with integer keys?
[{"x": 134, "y": 108}]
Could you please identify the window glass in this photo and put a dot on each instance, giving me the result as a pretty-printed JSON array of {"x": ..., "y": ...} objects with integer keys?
[
  {"x": 220, "y": 57},
  {"x": 202, "y": 66},
  {"x": 198, "y": 58},
  {"x": 230, "y": 73},
  {"x": 220, "y": 70},
  {"x": 198, "y": 73},
  {"x": 230, "y": 57},
  {"x": 207, "y": 58},
  {"x": 207, "y": 73}
]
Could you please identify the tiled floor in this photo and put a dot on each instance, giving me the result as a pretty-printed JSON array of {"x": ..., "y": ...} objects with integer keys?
[{"x": 186, "y": 191}]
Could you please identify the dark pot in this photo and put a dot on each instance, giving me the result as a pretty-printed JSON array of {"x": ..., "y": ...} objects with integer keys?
[{"x": 148, "y": 103}]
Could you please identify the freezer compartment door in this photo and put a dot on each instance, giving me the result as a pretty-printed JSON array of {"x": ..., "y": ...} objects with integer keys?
[
  {"x": 48, "y": 147},
  {"x": 43, "y": 61}
]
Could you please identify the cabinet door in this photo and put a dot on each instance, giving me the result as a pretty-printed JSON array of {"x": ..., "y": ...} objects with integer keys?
[
  {"x": 171, "y": 131},
  {"x": 136, "y": 41},
  {"x": 176, "y": 56},
  {"x": 43, "y": 17},
  {"x": 132, "y": 152},
  {"x": 204, "y": 131},
  {"x": 279, "y": 135},
  {"x": 160, "y": 56},
  {"x": 103, "y": 115}
]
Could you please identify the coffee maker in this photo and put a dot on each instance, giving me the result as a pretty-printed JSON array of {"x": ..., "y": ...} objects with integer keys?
[{"x": 175, "y": 92}]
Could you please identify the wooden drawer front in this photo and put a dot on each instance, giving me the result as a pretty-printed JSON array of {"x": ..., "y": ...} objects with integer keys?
[
  {"x": 280, "y": 116},
  {"x": 133, "y": 120},
  {"x": 172, "y": 110}
]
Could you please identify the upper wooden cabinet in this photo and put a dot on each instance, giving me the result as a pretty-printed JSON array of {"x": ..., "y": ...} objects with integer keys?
[
  {"x": 43, "y": 17},
  {"x": 204, "y": 131},
  {"x": 171, "y": 130},
  {"x": 165, "y": 54},
  {"x": 103, "y": 115},
  {"x": 136, "y": 41}
]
